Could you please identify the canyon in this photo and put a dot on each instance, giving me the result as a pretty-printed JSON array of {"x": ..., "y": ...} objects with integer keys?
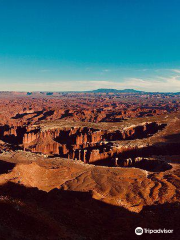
[
  {"x": 82, "y": 143},
  {"x": 70, "y": 159}
]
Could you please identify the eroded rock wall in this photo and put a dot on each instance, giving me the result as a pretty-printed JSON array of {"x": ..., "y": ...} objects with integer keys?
[{"x": 83, "y": 143}]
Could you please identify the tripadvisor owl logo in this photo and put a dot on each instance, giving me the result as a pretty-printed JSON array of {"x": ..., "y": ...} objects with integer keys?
[{"x": 138, "y": 231}]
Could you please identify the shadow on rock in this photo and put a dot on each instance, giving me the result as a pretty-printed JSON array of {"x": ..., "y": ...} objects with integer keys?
[
  {"x": 28, "y": 213},
  {"x": 5, "y": 167}
]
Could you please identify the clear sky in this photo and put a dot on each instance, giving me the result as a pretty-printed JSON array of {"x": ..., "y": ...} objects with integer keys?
[{"x": 57, "y": 45}]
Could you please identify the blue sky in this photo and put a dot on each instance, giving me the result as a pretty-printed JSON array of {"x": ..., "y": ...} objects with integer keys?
[{"x": 58, "y": 45}]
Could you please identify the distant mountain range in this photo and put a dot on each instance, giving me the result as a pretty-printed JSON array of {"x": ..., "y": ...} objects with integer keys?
[
  {"x": 105, "y": 90},
  {"x": 133, "y": 91}
]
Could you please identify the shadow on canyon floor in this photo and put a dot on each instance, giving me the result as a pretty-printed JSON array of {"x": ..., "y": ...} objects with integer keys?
[
  {"x": 153, "y": 165},
  {"x": 145, "y": 164},
  {"x": 28, "y": 213}
]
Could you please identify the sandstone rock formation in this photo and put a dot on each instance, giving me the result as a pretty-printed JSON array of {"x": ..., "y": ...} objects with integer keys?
[{"x": 68, "y": 160}]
